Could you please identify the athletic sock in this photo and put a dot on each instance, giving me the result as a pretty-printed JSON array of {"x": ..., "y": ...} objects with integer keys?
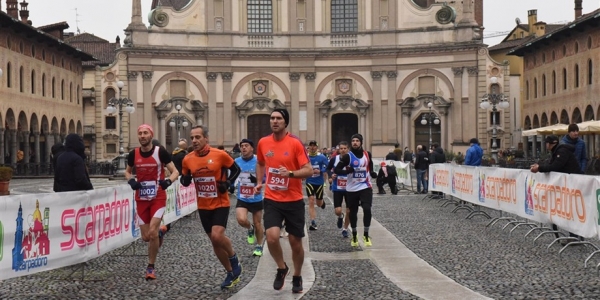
[
  {"x": 366, "y": 231},
  {"x": 151, "y": 266}
]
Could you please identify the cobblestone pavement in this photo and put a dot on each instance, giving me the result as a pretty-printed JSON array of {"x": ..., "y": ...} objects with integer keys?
[{"x": 483, "y": 259}]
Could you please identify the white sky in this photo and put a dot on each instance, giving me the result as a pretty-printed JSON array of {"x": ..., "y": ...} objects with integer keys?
[{"x": 108, "y": 18}]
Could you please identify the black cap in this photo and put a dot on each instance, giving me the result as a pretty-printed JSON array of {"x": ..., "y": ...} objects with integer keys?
[
  {"x": 248, "y": 141},
  {"x": 474, "y": 141},
  {"x": 285, "y": 114},
  {"x": 311, "y": 143},
  {"x": 357, "y": 136},
  {"x": 552, "y": 139}
]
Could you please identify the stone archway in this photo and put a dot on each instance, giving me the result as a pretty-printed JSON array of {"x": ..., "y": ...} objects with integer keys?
[
  {"x": 345, "y": 106},
  {"x": 251, "y": 112},
  {"x": 413, "y": 110}
]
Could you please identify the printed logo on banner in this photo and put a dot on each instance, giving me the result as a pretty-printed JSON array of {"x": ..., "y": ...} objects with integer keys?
[
  {"x": 32, "y": 245},
  {"x": 529, "y": 183},
  {"x": 482, "y": 187},
  {"x": 453, "y": 183}
]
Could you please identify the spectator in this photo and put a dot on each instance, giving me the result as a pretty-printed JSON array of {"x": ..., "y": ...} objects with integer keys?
[
  {"x": 572, "y": 138},
  {"x": 387, "y": 174},
  {"x": 179, "y": 153},
  {"x": 71, "y": 173},
  {"x": 391, "y": 155},
  {"x": 437, "y": 157},
  {"x": 421, "y": 165},
  {"x": 408, "y": 156},
  {"x": 474, "y": 154},
  {"x": 236, "y": 151},
  {"x": 398, "y": 151},
  {"x": 56, "y": 151}
]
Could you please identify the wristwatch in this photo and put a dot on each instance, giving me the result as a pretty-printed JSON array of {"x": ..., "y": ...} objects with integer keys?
[{"x": 291, "y": 174}]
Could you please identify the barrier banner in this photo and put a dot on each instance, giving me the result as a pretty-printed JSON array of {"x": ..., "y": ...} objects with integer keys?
[
  {"x": 570, "y": 201},
  {"x": 402, "y": 169},
  {"x": 181, "y": 201}
]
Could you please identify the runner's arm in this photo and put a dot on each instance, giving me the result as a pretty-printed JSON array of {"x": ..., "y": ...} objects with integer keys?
[
  {"x": 234, "y": 172},
  {"x": 130, "y": 164},
  {"x": 174, "y": 173},
  {"x": 304, "y": 172},
  {"x": 340, "y": 168}
]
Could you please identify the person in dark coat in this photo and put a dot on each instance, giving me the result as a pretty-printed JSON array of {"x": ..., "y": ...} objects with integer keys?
[
  {"x": 391, "y": 156},
  {"x": 563, "y": 160},
  {"x": 71, "y": 173},
  {"x": 437, "y": 156},
  {"x": 56, "y": 150},
  {"x": 408, "y": 156},
  {"x": 179, "y": 153},
  {"x": 384, "y": 176}
]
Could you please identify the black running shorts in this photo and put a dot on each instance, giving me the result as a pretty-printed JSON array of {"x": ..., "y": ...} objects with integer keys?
[
  {"x": 214, "y": 217},
  {"x": 290, "y": 212},
  {"x": 315, "y": 190}
]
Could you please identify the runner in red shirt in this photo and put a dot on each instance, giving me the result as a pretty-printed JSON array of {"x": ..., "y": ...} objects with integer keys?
[
  {"x": 150, "y": 186},
  {"x": 284, "y": 160}
]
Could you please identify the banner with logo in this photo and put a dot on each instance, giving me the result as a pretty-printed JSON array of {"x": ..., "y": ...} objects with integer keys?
[
  {"x": 402, "y": 169},
  {"x": 40, "y": 232},
  {"x": 570, "y": 201}
]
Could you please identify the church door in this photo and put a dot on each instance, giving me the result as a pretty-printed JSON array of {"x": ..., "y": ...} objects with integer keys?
[
  {"x": 343, "y": 126},
  {"x": 258, "y": 127}
]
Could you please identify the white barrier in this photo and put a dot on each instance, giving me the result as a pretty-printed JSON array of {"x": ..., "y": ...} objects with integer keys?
[
  {"x": 41, "y": 232},
  {"x": 567, "y": 200},
  {"x": 403, "y": 170}
]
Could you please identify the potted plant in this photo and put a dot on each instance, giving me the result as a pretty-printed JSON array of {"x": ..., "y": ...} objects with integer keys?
[{"x": 5, "y": 177}]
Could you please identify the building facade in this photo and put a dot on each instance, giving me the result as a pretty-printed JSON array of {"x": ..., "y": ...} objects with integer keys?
[
  {"x": 339, "y": 67},
  {"x": 40, "y": 88}
]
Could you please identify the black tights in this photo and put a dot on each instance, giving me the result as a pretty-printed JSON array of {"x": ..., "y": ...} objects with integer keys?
[{"x": 366, "y": 206}]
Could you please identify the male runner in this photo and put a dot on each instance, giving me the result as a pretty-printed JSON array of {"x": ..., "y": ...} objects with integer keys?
[
  {"x": 247, "y": 200},
  {"x": 282, "y": 157},
  {"x": 315, "y": 183},
  {"x": 359, "y": 167},
  {"x": 338, "y": 187},
  {"x": 150, "y": 186},
  {"x": 207, "y": 168}
]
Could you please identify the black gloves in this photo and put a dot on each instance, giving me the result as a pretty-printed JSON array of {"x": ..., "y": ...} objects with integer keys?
[
  {"x": 223, "y": 186},
  {"x": 164, "y": 184},
  {"x": 186, "y": 180},
  {"x": 134, "y": 184},
  {"x": 349, "y": 169},
  {"x": 373, "y": 174}
]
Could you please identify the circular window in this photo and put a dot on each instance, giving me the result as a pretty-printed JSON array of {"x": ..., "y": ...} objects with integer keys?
[
  {"x": 495, "y": 71},
  {"x": 110, "y": 76}
]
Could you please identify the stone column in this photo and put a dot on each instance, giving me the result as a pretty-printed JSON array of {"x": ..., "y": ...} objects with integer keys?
[
  {"x": 534, "y": 147},
  {"x": 310, "y": 105},
  {"x": 147, "y": 88},
  {"x": 525, "y": 141},
  {"x": 36, "y": 145},
  {"x": 406, "y": 127},
  {"x": 323, "y": 138},
  {"x": 294, "y": 125},
  {"x": 212, "y": 102},
  {"x": 391, "y": 107},
  {"x": 25, "y": 137},
  {"x": 469, "y": 109},
  {"x": 227, "y": 110},
  {"x": 134, "y": 119},
  {"x": 377, "y": 118},
  {"x": 2, "y": 145},
  {"x": 457, "y": 106},
  {"x": 243, "y": 133},
  {"x": 162, "y": 123},
  {"x": 363, "y": 127},
  {"x": 49, "y": 144},
  {"x": 14, "y": 146}
]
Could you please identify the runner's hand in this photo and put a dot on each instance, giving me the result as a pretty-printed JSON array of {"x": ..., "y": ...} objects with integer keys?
[
  {"x": 134, "y": 184},
  {"x": 186, "y": 180},
  {"x": 258, "y": 188},
  {"x": 349, "y": 169},
  {"x": 373, "y": 174},
  {"x": 164, "y": 184},
  {"x": 223, "y": 186}
]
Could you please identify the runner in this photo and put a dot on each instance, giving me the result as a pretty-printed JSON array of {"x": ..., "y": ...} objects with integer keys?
[
  {"x": 207, "y": 168},
  {"x": 150, "y": 186},
  {"x": 359, "y": 167},
  {"x": 315, "y": 183},
  {"x": 247, "y": 200},
  {"x": 337, "y": 184},
  {"x": 282, "y": 157}
]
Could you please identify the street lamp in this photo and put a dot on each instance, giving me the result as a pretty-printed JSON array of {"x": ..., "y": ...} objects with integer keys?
[
  {"x": 178, "y": 121},
  {"x": 430, "y": 118},
  {"x": 111, "y": 109},
  {"x": 494, "y": 100}
]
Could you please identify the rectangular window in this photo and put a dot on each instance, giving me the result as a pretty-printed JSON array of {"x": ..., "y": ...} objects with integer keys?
[
  {"x": 260, "y": 16},
  {"x": 111, "y": 148},
  {"x": 111, "y": 122},
  {"x": 344, "y": 15}
]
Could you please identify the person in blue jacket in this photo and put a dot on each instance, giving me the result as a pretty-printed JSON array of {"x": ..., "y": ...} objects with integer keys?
[
  {"x": 572, "y": 138},
  {"x": 474, "y": 154},
  {"x": 247, "y": 200},
  {"x": 315, "y": 183}
]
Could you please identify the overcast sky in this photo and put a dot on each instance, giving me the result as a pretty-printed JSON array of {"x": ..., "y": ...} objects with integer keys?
[{"x": 108, "y": 18}]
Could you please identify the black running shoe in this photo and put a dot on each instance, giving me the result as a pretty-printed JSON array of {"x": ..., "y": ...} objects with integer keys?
[
  {"x": 340, "y": 221},
  {"x": 297, "y": 284},
  {"x": 280, "y": 278}
]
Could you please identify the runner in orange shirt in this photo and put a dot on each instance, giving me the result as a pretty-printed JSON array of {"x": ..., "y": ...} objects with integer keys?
[
  {"x": 284, "y": 160},
  {"x": 207, "y": 168}
]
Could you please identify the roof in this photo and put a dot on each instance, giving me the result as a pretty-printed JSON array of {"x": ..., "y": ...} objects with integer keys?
[
  {"x": 98, "y": 47},
  {"x": 26, "y": 30},
  {"x": 511, "y": 43},
  {"x": 525, "y": 27},
  {"x": 592, "y": 18},
  {"x": 175, "y": 4},
  {"x": 55, "y": 26}
]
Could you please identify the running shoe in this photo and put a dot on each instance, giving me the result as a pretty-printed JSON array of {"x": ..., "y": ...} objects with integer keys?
[
  {"x": 367, "y": 241},
  {"x": 297, "y": 284},
  {"x": 150, "y": 273},
  {"x": 282, "y": 232},
  {"x": 323, "y": 205},
  {"x": 354, "y": 241},
  {"x": 161, "y": 234},
  {"x": 257, "y": 251},
  {"x": 345, "y": 233},
  {"x": 231, "y": 280},
  {"x": 251, "y": 235},
  {"x": 340, "y": 221},
  {"x": 313, "y": 226},
  {"x": 280, "y": 277}
]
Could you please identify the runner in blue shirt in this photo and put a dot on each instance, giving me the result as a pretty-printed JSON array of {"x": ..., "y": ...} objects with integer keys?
[{"x": 314, "y": 184}]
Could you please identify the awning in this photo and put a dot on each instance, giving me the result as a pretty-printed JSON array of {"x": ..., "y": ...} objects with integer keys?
[{"x": 552, "y": 129}]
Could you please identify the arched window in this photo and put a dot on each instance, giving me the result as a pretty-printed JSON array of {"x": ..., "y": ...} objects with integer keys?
[
  {"x": 77, "y": 94},
  {"x": 589, "y": 42},
  {"x": 53, "y": 87},
  {"x": 33, "y": 81},
  {"x": 590, "y": 71},
  {"x": 553, "y": 82},
  {"x": 564, "y": 78},
  {"x": 527, "y": 90},
  {"x": 62, "y": 89},
  {"x": 43, "y": 85},
  {"x": 71, "y": 92},
  {"x": 576, "y": 75},
  {"x": 21, "y": 80},
  {"x": 576, "y": 47},
  {"x": 344, "y": 15},
  {"x": 544, "y": 85},
  {"x": 260, "y": 16},
  {"x": 535, "y": 87},
  {"x": 8, "y": 75}
]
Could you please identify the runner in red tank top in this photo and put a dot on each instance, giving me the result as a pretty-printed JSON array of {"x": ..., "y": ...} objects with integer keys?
[{"x": 150, "y": 196}]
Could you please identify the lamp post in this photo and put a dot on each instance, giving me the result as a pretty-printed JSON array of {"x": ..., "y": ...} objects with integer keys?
[
  {"x": 111, "y": 109},
  {"x": 178, "y": 121},
  {"x": 494, "y": 100},
  {"x": 430, "y": 118}
]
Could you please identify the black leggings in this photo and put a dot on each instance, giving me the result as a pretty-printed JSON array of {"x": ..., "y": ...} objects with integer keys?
[{"x": 364, "y": 198}]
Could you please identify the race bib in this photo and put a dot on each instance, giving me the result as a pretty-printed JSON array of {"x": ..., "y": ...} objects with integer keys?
[
  {"x": 341, "y": 182},
  {"x": 206, "y": 187},
  {"x": 275, "y": 181},
  {"x": 360, "y": 172},
  {"x": 148, "y": 190},
  {"x": 247, "y": 190},
  {"x": 316, "y": 167}
]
